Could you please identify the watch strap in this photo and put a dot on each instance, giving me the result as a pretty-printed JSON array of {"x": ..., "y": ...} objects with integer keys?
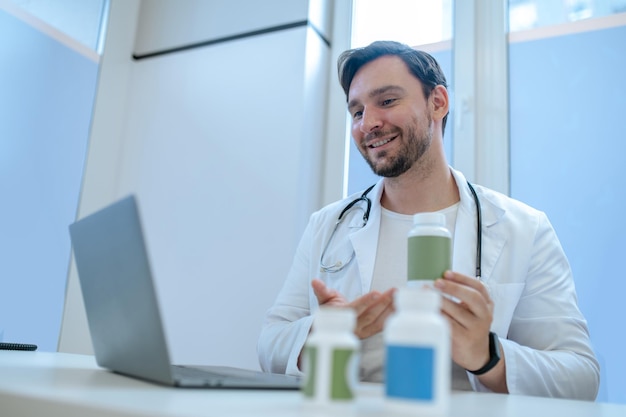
[{"x": 494, "y": 355}]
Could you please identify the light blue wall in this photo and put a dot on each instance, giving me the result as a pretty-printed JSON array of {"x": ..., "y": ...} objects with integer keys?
[
  {"x": 46, "y": 99},
  {"x": 568, "y": 104}
]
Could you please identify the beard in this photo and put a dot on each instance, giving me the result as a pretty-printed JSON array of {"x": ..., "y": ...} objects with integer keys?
[{"x": 416, "y": 145}]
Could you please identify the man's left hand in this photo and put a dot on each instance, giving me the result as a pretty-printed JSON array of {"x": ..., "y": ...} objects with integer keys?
[{"x": 470, "y": 317}]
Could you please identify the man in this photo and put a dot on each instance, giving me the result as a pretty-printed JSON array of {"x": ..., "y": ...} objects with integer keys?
[{"x": 515, "y": 329}]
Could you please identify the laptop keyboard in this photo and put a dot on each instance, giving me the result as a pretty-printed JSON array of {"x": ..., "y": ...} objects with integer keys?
[
  {"x": 217, "y": 376},
  {"x": 193, "y": 373}
]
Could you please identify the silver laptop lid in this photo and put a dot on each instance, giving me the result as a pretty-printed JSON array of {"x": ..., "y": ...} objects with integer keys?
[{"x": 118, "y": 292}]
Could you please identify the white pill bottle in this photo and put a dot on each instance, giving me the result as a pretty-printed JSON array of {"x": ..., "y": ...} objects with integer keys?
[
  {"x": 417, "y": 354},
  {"x": 331, "y": 357}
]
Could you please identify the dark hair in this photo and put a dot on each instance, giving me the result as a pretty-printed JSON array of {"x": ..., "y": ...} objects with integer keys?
[{"x": 421, "y": 64}]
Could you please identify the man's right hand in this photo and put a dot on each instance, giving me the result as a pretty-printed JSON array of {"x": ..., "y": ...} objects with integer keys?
[{"x": 372, "y": 309}]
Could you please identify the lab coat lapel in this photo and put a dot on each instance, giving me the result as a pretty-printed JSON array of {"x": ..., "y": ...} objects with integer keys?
[
  {"x": 493, "y": 240},
  {"x": 365, "y": 241},
  {"x": 464, "y": 252},
  {"x": 465, "y": 237}
]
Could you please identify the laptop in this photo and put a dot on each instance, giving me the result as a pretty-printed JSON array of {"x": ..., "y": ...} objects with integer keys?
[{"x": 122, "y": 309}]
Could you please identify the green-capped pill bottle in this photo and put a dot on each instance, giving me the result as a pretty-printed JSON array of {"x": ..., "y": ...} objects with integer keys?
[
  {"x": 331, "y": 356},
  {"x": 429, "y": 247}
]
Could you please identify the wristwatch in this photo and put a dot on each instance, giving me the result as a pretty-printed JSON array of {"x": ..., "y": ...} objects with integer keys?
[{"x": 494, "y": 355}]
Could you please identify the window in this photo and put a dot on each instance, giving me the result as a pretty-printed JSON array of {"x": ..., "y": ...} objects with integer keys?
[
  {"x": 532, "y": 14},
  {"x": 408, "y": 21},
  {"x": 81, "y": 20}
]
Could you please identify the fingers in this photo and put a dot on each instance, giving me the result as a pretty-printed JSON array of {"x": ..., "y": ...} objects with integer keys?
[
  {"x": 372, "y": 310},
  {"x": 465, "y": 281},
  {"x": 374, "y": 321},
  {"x": 365, "y": 302},
  {"x": 474, "y": 301},
  {"x": 325, "y": 295},
  {"x": 470, "y": 318},
  {"x": 320, "y": 290}
]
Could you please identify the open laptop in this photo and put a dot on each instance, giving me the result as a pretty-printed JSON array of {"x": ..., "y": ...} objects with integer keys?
[{"x": 122, "y": 309}]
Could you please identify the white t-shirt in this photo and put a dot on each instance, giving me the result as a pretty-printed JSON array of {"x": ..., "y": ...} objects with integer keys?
[{"x": 390, "y": 270}]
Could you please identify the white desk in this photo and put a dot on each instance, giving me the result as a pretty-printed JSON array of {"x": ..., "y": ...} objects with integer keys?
[{"x": 65, "y": 385}]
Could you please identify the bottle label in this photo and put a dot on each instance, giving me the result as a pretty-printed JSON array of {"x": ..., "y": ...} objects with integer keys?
[
  {"x": 409, "y": 373},
  {"x": 309, "y": 366},
  {"x": 428, "y": 257},
  {"x": 342, "y": 369},
  {"x": 342, "y": 373}
]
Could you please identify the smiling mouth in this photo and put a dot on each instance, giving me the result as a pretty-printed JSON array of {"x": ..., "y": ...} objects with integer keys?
[{"x": 380, "y": 143}]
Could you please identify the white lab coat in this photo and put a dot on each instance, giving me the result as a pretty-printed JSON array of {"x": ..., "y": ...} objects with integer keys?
[{"x": 543, "y": 334}]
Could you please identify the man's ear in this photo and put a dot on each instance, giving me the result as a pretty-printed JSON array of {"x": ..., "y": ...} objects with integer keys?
[{"x": 440, "y": 102}]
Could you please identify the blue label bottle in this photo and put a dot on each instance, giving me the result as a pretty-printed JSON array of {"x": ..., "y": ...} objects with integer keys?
[{"x": 417, "y": 354}]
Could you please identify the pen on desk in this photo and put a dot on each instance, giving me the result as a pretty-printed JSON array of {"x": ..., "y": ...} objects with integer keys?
[{"x": 17, "y": 346}]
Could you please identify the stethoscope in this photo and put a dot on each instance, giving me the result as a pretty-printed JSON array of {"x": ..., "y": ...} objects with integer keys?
[{"x": 338, "y": 266}]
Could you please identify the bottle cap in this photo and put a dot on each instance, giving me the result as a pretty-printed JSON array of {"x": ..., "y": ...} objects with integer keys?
[
  {"x": 429, "y": 218},
  {"x": 335, "y": 318},
  {"x": 424, "y": 298}
]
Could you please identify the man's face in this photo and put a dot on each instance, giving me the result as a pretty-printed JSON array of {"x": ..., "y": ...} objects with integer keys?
[{"x": 391, "y": 123}]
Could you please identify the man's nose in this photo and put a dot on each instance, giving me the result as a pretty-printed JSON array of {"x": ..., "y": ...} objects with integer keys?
[{"x": 370, "y": 120}]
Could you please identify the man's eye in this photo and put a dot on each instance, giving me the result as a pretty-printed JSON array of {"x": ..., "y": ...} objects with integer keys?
[
  {"x": 357, "y": 114},
  {"x": 387, "y": 102}
]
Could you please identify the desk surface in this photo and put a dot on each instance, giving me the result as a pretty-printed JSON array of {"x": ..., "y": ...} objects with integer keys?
[{"x": 58, "y": 384}]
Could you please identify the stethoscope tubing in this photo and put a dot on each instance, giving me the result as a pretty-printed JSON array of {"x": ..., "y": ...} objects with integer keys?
[{"x": 338, "y": 266}]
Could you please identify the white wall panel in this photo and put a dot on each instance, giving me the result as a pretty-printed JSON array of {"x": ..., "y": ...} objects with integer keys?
[
  {"x": 214, "y": 151},
  {"x": 222, "y": 144},
  {"x": 166, "y": 24},
  {"x": 100, "y": 180}
]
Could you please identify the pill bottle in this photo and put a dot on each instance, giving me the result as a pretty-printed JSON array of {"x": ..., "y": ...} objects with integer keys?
[
  {"x": 429, "y": 248},
  {"x": 417, "y": 354},
  {"x": 331, "y": 357}
]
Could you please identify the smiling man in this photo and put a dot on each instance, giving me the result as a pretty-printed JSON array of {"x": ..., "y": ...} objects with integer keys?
[{"x": 516, "y": 328}]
